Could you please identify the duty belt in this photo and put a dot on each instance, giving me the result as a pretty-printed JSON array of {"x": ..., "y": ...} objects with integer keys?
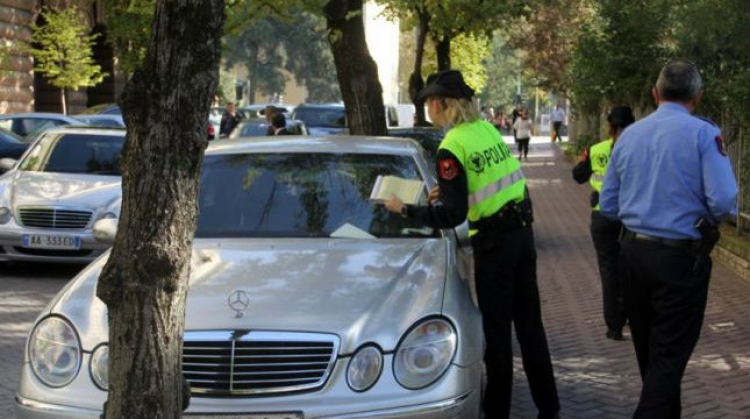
[{"x": 680, "y": 244}]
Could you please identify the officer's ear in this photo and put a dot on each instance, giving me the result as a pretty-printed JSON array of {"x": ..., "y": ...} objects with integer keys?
[
  {"x": 693, "y": 103},
  {"x": 655, "y": 95}
]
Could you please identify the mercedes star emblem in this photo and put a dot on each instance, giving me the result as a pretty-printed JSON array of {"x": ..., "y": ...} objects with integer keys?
[{"x": 238, "y": 301}]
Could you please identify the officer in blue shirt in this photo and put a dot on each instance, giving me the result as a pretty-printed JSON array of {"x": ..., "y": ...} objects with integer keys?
[{"x": 668, "y": 173}]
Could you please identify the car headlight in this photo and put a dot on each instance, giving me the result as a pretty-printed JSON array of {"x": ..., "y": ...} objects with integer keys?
[
  {"x": 107, "y": 215},
  {"x": 364, "y": 368},
  {"x": 54, "y": 352},
  {"x": 5, "y": 215},
  {"x": 425, "y": 353},
  {"x": 99, "y": 367}
]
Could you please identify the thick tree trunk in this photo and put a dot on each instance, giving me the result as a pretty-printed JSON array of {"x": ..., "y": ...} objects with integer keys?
[
  {"x": 356, "y": 70},
  {"x": 144, "y": 283},
  {"x": 416, "y": 83},
  {"x": 443, "y": 50}
]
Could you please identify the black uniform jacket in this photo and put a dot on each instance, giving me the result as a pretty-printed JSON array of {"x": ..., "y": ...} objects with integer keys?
[{"x": 453, "y": 204}]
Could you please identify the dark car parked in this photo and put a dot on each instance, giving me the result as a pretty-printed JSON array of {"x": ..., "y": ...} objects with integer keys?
[
  {"x": 428, "y": 137},
  {"x": 11, "y": 145},
  {"x": 258, "y": 127}
]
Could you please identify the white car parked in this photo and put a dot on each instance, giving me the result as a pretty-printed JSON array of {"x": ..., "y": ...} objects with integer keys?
[
  {"x": 50, "y": 198},
  {"x": 306, "y": 300}
]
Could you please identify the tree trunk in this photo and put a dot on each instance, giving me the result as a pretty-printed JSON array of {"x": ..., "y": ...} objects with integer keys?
[
  {"x": 144, "y": 283},
  {"x": 62, "y": 101},
  {"x": 443, "y": 50},
  {"x": 416, "y": 83},
  {"x": 355, "y": 68}
]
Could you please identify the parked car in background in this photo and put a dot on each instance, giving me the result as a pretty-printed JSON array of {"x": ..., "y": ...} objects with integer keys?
[
  {"x": 30, "y": 125},
  {"x": 103, "y": 109},
  {"x": 258, "y": 110},
  {"x": 331, "y": 119},
  {"x": 50, "y": 199},
  {"x": 258, "y": 127},
  {"x": 350, "y": 311},
  {"x": 11, "y": 145},
  {"x": 322, "y": 119},
  {"x": 101, "y": 120},
  {"x": 428, "y": 137}
]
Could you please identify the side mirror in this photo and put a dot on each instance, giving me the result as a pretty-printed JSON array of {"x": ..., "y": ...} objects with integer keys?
[
  {"x": 6, "y": 163},
  {"x": 105, "y": 230}
]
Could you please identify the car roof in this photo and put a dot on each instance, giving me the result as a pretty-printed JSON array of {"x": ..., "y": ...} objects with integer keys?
[
  {"x": 39, "y": 115},
  {"x": 320, "y": 106},
  {"x": 354, "y": 144},
  {"x": 85, "y": 129}
]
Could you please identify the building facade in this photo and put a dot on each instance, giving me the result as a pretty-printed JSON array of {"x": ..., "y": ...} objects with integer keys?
[{"x": 24, "y": 90}]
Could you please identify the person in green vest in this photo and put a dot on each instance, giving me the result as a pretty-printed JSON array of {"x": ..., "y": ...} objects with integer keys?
[
  {"x": 605, "y": 232},
  {"x": 480, "y": 180}
]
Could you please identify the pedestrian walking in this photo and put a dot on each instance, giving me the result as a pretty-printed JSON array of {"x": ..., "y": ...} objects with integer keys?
[
  {"x": 522, "y": 128},
  {"x": 558, "y": 119},
  {"x": 605, "y": 232},
  {"x": 491, "y": 192},
  {"x": 671, "y": 183}
]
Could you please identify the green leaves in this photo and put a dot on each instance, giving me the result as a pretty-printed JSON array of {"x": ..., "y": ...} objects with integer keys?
[{"x": 64, "y": 53}]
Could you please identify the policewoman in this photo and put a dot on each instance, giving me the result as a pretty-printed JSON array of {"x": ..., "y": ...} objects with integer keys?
[
  {"x": 671, "y": 183},
  {"x": 479, "y": 179},
  {"x": 605, "y": 233}
]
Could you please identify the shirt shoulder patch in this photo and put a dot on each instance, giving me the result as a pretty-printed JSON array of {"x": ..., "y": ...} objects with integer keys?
[
  {"x": 448, "y": 168},
  {"x": 720, "y": 145}
]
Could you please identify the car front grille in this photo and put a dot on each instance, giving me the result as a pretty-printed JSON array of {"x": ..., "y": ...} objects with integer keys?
[
  {"x": 242, "y": 363},
  {"x": 54, "y": 218}
]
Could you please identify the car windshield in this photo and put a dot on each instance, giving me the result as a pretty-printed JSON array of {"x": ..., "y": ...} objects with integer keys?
[
  {"x": 75, "y": 153},
  {"x": 322, "y": 117},
  {"x": 301, "y": 195}
]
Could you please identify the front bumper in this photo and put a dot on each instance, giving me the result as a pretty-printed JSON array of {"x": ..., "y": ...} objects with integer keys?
[
  {"x": 11, "y": 249},
  {"x": 456, "y": 395}
]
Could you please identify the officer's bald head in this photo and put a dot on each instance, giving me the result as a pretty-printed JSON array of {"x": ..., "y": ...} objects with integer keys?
[{"x": 679, "y": 81}]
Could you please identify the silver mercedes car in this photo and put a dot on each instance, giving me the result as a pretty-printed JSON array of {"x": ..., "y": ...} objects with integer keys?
[
  {"x": 306, "y": 299},
  {"x": 50, "y": 198}
]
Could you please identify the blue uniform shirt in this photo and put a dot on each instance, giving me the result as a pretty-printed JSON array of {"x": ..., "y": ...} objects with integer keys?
[{"x": 666, "y": 171}]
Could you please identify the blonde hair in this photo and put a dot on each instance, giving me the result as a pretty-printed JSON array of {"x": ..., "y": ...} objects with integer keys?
[{"x": 457, "y": 111}]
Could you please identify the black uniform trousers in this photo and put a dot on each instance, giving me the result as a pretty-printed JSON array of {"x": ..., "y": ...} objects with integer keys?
[
  {"x": 666, "y": 300},
  {"x": 507, "y": 292},
  {"x": 606, "y": 236}
]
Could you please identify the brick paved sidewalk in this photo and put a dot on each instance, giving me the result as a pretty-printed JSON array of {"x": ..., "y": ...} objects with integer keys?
[{"x": 597, "y": 377}]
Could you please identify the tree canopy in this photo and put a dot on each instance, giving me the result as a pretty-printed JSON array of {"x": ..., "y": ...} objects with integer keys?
[{"x": 63, "y": 52}]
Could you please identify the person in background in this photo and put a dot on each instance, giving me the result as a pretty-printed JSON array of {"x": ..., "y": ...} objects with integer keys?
[
  {"x": 558, "y": 119},
  {"x": 229, "y": 120},
  {"x": 522, "y": 129},
  {"x": 269, "y": 112},
  {"x": 605, "y": 232},
  {"x": 670, "y": 183},
  {"x": 278, "y": 123},
  {"x": 492, "y": 194},
  {"x": 500, "y": 122}
]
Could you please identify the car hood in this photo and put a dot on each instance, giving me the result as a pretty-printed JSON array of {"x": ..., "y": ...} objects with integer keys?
[
  {"x": 39, "y": 188},
  {"x": 361, "y": 290}
]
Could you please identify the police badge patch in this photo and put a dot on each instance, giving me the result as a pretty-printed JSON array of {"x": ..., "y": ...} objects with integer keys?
[
  {"x": 720, "y": 145},
  {"x": 448, "y": 168}
]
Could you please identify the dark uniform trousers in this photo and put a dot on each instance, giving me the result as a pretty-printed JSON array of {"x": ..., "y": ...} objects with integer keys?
[
  {"x": 605, "y": 234},
  {"x": 507, "y": 292},
  {"x": 666, "y": 301}
]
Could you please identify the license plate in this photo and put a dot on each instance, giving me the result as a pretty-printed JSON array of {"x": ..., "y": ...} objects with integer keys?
[
  {"x": 248, "y": 416},
  {"x": 50, "y": 241}
]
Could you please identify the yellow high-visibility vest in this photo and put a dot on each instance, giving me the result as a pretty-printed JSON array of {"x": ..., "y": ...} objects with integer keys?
[
  {"x": 494, "y": 176},
  {"x": 599, "y": 156}
]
